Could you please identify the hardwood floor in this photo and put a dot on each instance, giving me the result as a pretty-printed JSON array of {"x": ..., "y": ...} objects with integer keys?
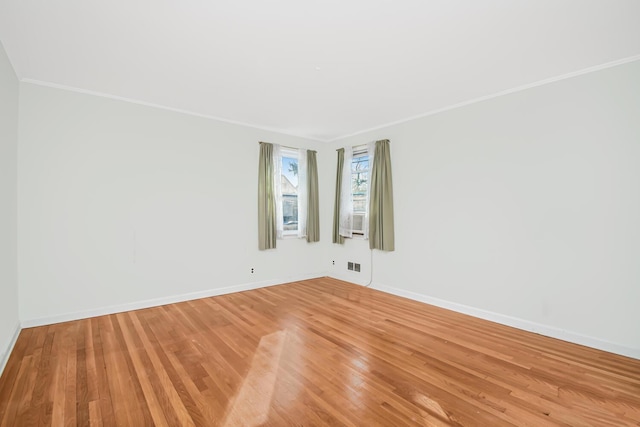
[{"x": 317, "y": 352}]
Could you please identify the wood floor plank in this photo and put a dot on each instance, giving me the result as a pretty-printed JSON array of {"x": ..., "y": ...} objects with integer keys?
[
  {"x": 71, "y": 377},
  {"x": 101, "y": 383},
  {"x": 167, "y": 396},
  {"x": 139, "y": 362},
  {"x": 318, "y": 352}
]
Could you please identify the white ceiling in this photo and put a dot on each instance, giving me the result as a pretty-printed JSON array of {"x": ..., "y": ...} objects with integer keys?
[{"x": 316, "y": 68}]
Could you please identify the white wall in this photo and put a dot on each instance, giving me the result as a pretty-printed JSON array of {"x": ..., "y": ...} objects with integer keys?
[
  {"x": 9, "y": 323},
  {"x": 523, "y": 209},
  {"x": 123, "y": 205}
]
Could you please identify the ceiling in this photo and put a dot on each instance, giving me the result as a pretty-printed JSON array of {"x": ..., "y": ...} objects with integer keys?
[{"x": 321, "y": 69}]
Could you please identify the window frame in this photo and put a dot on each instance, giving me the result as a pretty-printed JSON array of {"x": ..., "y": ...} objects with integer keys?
[
  {"x": 288, "y": 153},
  {"x": 359, "y": 153}
]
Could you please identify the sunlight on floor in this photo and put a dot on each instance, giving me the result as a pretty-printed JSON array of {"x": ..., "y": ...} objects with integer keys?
[
  {"x": 431, "y": 406},
  {"x": 251, "y": 405}
]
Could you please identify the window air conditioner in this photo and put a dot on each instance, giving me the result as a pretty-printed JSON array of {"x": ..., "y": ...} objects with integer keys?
[{"x": 358, "y": 223}]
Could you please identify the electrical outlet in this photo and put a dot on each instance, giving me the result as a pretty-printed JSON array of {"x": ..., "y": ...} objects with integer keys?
[
  {"x": 252, "y": 270},
  {"x": 333, "y": 262},
  {"x": 356, "y": 267},
  {"x": 349, "y": 266}
]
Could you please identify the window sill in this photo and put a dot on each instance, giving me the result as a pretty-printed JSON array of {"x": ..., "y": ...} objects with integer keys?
[{"x": 355, "y": 237}]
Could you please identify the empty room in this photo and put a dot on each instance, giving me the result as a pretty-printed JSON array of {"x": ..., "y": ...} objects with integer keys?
[{"x": 408, "y": 213}]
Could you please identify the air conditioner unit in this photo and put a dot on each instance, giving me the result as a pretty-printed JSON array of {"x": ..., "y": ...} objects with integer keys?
[{"x": 358, "y": 223}]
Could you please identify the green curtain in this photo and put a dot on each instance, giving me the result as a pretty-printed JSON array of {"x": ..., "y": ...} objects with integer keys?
[
  {"x": 337, "y": 238},
  {"x": 381, "y": 234},
  {"x": 266, "y": 199},
  {"x": 313, "y": 208}
]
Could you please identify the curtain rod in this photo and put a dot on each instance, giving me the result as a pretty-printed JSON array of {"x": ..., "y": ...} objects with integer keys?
[
  {"x": 286, "y": 146},
  {"x": 362, "y": 145}
]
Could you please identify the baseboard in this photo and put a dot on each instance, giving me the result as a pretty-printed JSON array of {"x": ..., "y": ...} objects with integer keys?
[
  {"x": 4, "y": 356},
  {"x": 155, "y": 302},
  {"x": 538, "y": 328}
]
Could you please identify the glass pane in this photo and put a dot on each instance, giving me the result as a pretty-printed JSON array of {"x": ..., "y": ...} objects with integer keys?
[
  {"x": 359, "y": 182},
  {"x": 290, "y": 171}
]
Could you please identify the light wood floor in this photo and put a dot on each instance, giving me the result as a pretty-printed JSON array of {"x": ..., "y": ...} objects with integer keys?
[{"x": 317, "y": 352}]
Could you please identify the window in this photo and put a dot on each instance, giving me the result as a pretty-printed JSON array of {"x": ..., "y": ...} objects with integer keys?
[
  {"x": 363, "y": 197},
  {"x": 359, "y": 188},
  {"x": 291, "y": 191},
  {"x": 354, "y": 192},
  {"x": 287, "y": 195},
  {"x": 289, "y": 188}
]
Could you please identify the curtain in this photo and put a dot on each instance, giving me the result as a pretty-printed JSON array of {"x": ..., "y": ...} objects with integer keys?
[
  {"x": 346, "y": 196},
  {"x": 337, "y": 238},
  {"x": 371, "y": 148},
  {"x": 277, "y": 193},
  {"x": 381, "y": 233},
  {"x": 302, "y": 192},
  {"x": 266, "y": 199},
  {"x": 313, "y": 210}
]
